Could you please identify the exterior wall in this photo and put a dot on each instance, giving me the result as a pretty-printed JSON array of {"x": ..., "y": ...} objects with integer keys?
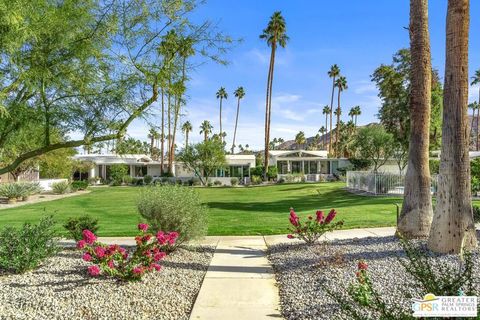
[{"x": 153, "y": 170}]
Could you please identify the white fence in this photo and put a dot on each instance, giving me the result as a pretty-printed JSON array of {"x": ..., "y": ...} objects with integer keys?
[{"x": 380, "y": 183}]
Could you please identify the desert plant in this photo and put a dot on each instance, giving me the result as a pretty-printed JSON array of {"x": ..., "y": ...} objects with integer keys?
[
  {"x": 311, "y": 230},
  {"x": 174, "y": 208},
  {"x": 114, "y": 261},
  {"x": 61, "y": 187},
  {"x": 76, "y": 225},
  {"x": 26, "y": 248},
  {"x": 147, "y": 179},
  {"x": 10, "y": 191},
  {"x": 79, "y": 185},
  {"x": 256, "y": 179},
  {"x": 234, "y": 181}
]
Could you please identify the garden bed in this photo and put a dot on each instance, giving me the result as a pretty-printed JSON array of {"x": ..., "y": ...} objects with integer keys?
[
  {"x": 62, "y": 289},
  {"x": 302, "y": 271}
]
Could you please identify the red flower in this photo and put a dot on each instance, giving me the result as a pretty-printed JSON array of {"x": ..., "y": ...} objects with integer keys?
[
  {"x": 293, "y": 218},
  {"x": 94, "y": 270},
  {"x": 143, "y": 227},
  {"x": 81, "y": 244},
  {"x": 110, "y": 264},
  {"x": 88, "y": 236},
  {"x": 87, "y": 257},
  {"x": 100, "y": 252},
  {"x": 159, "y": 256},
  {"x": 290, "y": 236},
  {"x": 331, "y": 216},
  {"x": 362, "y": 265},
  {"x": 137, "y": 270},
  {"x": 320, "y": 217},
  {"x": 156, "y": 266}
]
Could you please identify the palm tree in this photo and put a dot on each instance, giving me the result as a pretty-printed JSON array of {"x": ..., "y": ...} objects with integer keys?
[
  {"x": 476, "y": 80},
  {"x": 300, "y": 139},
  {"x": 239, "y": 94},
  {"x": 322, "y": 131},
  {"x": 326, "y": 112},
  {"x": 358, "y": 111},
  {"x": 152, "y": 133},
  {"x": 453, "y": 228},
  {"x": 221, "y": 94},
  {"x": 341, "y": 85},
  {"x": 205, "y": 129},
  {"x": 274, "y": 34},
  {"x": 351, "y": 113},
  {"x": 333, "y": 73},
  {"x": 186, "y": 128}
]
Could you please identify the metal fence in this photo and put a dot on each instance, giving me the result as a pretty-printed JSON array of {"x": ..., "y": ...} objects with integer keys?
[{"x": 380, "y": 183}]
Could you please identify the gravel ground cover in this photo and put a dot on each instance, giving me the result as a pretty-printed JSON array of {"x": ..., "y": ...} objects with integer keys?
[
  {"x": 302, "y": 270},
  {"x": 62, "y": 289}
]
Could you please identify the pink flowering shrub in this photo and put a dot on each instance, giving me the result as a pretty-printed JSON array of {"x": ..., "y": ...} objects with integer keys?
[
  {"x": 312, "y": 229},
  {"x": 362, "y": 291},
  {"x": 115, "y": 261}
]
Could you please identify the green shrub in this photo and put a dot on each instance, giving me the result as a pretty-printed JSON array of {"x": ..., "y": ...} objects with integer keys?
[
  {"x": 25, "y": 248},
  {"x": 61, "y": 187},
  {"x": 139, "y": 182},
  {"x": 147, "y": 179},
  {"x": 10, "y": 191},
  {"x": 234, "y": 181},
  {"x": 174, "y": 208},
  {"x": 117, "y": 172},
  {"x": 256, "y": 171},
  {"x": 76, "y": 225},
  {"x": 272, "y": 172},
  {"x": 209, "y": 183},
  {"x": 217, "y": 183},
  {"x": 134, "y": 181},
  {"x": 79, "y": 185},
  {"x": 127, "y": 179},
  {"x": 256, "y": 179},
  {"x": 360, "y": 164},
  {"x": 434, "y": 165},
  {"x": 476, "y": 214}
]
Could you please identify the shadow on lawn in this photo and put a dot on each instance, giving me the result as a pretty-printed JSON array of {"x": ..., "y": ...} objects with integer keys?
[{"x": 332, "y": 199}]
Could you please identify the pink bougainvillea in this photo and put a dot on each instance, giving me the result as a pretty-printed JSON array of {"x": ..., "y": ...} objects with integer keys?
[
  {"x": 113, "y": 260},
  {"x": 312, "y": 229}
]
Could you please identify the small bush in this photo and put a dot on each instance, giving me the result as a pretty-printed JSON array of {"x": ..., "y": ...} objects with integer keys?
[
  {"x": 10, "y": 191},
  {"x": 476, "y": 214},
  {"x": 139, "y": 182},
  {"x": 312, "y": 229},
  {"x": 209, "y": 184},
  {"x": 76, "y": 225},
  {"x": 217, "y": 183},
  {"x": 26, "y": 248},
  {"x": 113, "y": 260},
  {"x": 61, "y": 187},
  {"x": 117, "y": 172},
  {"x": 256, "y": 171},
  {"x": 79, "y": 185},
  {"x": 272, "y": 172},
  {"x": 174, "y": 208},
  {"x": 281, "y": 180},
  {"x": 256, "y": 179},
  {"x": 234, "y": 181},
  {"x": 134, "y": 181},
  {"x": 127, "y": 179},
  {"x": 147, "y": 179}
]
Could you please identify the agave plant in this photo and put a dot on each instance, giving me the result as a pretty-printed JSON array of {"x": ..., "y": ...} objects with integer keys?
[{"x": 11, "y": 191}]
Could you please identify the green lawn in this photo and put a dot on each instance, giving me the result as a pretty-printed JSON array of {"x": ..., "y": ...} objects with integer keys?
[{"x": 233, "y": 211}]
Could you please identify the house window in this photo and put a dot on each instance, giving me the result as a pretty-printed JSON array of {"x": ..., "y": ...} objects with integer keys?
[
  {"x": 282, "y": 167},
  {"x": 311, "y": 167},
  {"x": 140, "y": 171},
  {"x": 296, "y": 166}
]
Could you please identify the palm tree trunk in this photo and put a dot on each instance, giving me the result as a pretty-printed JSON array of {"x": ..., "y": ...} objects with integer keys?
[
  {"x": 162, "y": 142},
  {"x": 236, "y": 123},
  {"x": 331, "y": 117},
  {"x": 186, "y": 139},
  {"x": 356, "y": 121},
  {"x": 416, "y": 216},
  {"x": 220, "y": 135},
  {"x": 337, "y": 134},
  {"x": 171, "y": 155},
  {"x": 267, "y": 112},
  {"x": 478, "y": 115},
  {"x": 453, "y": 229},
  {"x": 169, "y": 120},
  {"x": 325, "y": 133}
]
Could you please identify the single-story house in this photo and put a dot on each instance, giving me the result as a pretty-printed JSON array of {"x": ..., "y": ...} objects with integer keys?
[{"x": 140, "y": 165}]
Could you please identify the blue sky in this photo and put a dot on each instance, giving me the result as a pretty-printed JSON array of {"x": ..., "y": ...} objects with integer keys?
[{"x": 356, "y": 35}]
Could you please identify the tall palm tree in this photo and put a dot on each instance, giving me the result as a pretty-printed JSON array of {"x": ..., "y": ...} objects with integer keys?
[
  {"x": 358, "y": 111},
  {"x": 453, "y": 228},
  {"x": 326, "y": 111},
  {"x": 186, "y": 128},
  {"x": 221, "y": 94},
  {"x": 152, "y": 133},
  {"x": 239, "y": 94},
  {"x": 416, "y": 216},
  {"x": 333, "y": 73},
  {"x": 274, "y": 34},
  {"x": 300, "y": 139},
  {"x": 341, "y": 85},
  {"x": 476, "y": 80},
  {"x": 351, "y": 113},
  {"x": 322, "y": 131},
  {"x": 205, "y": 129}
]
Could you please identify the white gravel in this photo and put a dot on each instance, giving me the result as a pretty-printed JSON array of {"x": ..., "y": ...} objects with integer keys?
[
  {"x": 61, "y": 289},
  {"x": 301, "y": 270}
]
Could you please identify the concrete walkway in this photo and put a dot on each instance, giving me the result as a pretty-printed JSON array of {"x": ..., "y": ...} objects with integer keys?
[{"x": 239, "y": 283}]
